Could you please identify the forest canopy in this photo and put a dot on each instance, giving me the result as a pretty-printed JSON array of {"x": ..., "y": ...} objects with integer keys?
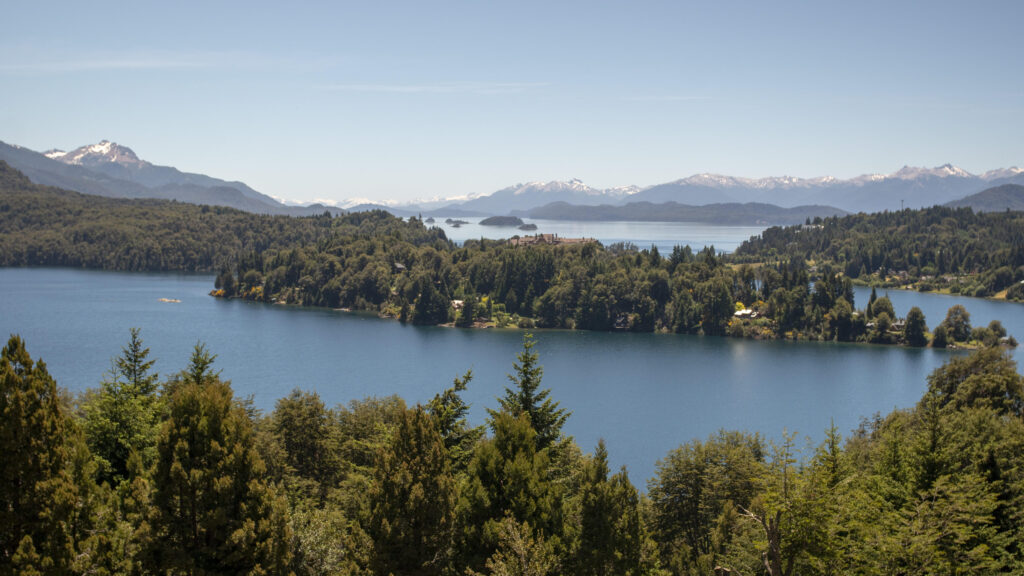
[{"x": 147, "y": 475}]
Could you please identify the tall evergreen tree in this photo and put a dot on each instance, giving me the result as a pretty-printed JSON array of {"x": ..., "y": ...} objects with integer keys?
[
  {"x": 123, "y": 415},
  {"x": 303, "y": 425},
  {"x": 612, "y": 539},
  {"x": 508, "y": 476},
  {"x": 215, "y": 513},
  {"x": 449, "y": 411},
  {"x": 413, "y": 500},
  {"x": 38, "y": 495},
  {"x": 525, "y": 397}
]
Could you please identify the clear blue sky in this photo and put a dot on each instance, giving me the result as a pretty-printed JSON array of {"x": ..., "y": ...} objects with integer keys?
[{"x": 399, "y": 100}]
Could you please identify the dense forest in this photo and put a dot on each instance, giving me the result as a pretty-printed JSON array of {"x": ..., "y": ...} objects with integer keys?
[
  {"x": 582, "y": 286},
  {"x": 956, "y": 249},
  {"x": 41, "y": 226},
  {"x": 405, "y": 269},
  {"x": 176, "y": 475}
]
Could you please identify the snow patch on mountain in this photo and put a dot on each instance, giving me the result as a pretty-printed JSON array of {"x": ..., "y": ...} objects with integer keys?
[{"x": 103, "y": 152}]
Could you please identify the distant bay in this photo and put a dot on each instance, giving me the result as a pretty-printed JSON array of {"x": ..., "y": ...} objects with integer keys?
[{"x": 664, "y": 235}]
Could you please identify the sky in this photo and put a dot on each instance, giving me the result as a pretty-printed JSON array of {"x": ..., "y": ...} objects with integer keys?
[{"x": 413, "y": 100}]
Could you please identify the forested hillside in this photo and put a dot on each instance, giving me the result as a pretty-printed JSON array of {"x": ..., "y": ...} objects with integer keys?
[
  {"x": 949, "y": 248},
  {"x": 42, "y": 226},
  {"x": 175, "y": 475}
]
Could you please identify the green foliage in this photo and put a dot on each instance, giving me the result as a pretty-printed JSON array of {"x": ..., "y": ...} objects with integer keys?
[
  {"x": 915, "y": 330},
  {"x": 973, "y": 253},
  {"x": 612, "y": 538},
  {"x": 449, "y": 413},
  {"x": 214, "y": 513},
  {"x": 43, "y": 226},
  {"x": 374, "y": 487},
  {"x": 521, "y": 552},
  {"x": 123, "y": 416},
  {"x": 940, "y": 338},
  {"x": 695, "y": 490},
  {"x": 525, "y": 397},
  {"x": 413, "y": 500},
  {"x": 958, "y": 323},
  {"x": 38, "y": 492},
  {"x": 508, "y": 476},
  {"x": 986, "y": 379},
  {"x": 304, "y": 427}
]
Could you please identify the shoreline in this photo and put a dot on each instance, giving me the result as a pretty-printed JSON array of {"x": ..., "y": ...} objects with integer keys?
[{"x": 490, "y": 325}]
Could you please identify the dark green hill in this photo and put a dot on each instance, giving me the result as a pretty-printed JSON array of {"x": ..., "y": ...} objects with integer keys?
[
  {"x": 44, "y": 226},
  {"x": 997, "y": 199}
]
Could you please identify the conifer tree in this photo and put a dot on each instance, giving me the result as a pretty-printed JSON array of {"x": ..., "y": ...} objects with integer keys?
[
  {"x": 611, "y": 533},
  {"x": 412, "y": 500},
  {"x": 214, "y": 512},
  {"x": 508, "y": 476},
  {"x": 303, "y": 425},
  {"x": 123, "y": 415},
  {"x": 525, "y": 397},
  {"x": 38, "y": 494},
  {"x": 449, "y": 411}
]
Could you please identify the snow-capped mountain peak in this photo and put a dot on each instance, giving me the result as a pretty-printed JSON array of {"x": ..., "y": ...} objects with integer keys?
[
  {"x": 946, "y": 170},
  {"x": 103, "y": 152},
  {"x": 1002, "y": 173}
]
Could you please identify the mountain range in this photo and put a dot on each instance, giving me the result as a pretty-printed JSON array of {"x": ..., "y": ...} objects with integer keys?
[
  {"x": 110, "y": 169},
  {"x": 908, "y": 187}
]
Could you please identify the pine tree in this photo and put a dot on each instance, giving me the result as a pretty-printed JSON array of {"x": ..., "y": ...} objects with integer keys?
[
  {"x": 413, "y": 500},
  {"x": 302, "y": 424},
  {"x": 38, "y": 494},
  {"x": 123, "y": 415},
  {"x": 544, "y": 415},
  {"x": 508, "y": 476},
  {"x": 611, "y": 533},
  {"x": 214, "y": 512},
  {"x": 449, "y": 411}
]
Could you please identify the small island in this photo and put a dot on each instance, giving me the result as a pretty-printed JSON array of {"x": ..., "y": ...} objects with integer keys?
[
  {"x": 505, "y": 221},
  {"x": 455, "y": 223},
  {"x": 528, "y": 227}
]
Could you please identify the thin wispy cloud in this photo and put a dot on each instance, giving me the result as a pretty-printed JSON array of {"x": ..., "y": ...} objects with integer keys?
[
  {"x": 112, "y": 62},
  {"x": 145, "y": 61},
  {"x": 668, "y": 98},
  {"x": 484, "y": 88}
]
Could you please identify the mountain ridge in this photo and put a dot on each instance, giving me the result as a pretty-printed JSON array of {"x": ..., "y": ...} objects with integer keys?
[
  {"x": 995, "y": 199},
  {"x": 115, "y": 171}
]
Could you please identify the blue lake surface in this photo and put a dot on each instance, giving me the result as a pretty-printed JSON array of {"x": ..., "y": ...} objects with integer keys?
[
  {"x": 643, "y": 393},
  {"x": 664, "y": 235}
]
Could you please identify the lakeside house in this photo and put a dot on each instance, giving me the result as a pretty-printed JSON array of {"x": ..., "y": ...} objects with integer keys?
[{"x": 546, "y": 239}]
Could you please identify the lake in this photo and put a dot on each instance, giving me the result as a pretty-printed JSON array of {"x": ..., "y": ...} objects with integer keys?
[
  {"x": 664, "y": 235},
  {"x": 643, "y": 393}
]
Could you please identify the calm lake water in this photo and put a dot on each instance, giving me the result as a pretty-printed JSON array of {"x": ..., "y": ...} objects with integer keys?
[
  {"x": 643, "y": 393},
  {"x": 664, "y": 235}
]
